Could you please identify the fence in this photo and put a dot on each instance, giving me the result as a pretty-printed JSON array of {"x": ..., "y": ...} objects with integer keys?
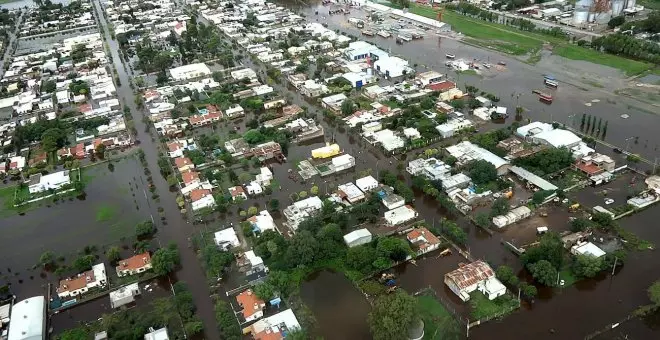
[{"x": 484, "y": 320}]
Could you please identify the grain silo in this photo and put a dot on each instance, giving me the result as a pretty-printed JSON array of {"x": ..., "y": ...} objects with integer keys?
[{"x": 617, "y": 7}]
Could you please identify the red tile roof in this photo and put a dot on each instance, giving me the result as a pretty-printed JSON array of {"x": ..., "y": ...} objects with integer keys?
[
  {"x": 174, "y": 146},
  {"x": 198, "y": 194},
  {"x": 250, "y": 302},
  {"x": 182, "y": 161},
  {"x": 236, "y": 191},
  {"x": 75, "y": 283},
  {"x": 442, "y": 86},
  {"x": 590, "y": 169},
  {"x": 471, "y": 274},
  {"x": 428, "y": 236},
  {"x": 189, "y": 176},
  {"x": 135, "y": 262}
]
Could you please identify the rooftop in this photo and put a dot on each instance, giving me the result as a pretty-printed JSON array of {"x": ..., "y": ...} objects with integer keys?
[
  {"x": 470, "y": 274},
  {"x": 250, "y": 303},
  {"x": 135, "y": 262}
]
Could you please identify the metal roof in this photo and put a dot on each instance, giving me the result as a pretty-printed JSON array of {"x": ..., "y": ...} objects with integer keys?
[{"x": 532, "y": 178}]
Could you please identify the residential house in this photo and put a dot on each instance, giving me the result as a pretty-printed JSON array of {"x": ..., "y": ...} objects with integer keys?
[
  {"x": 201, "y": 198},
  {"x": 237, "y": 192},
  {"x": 275, "y": 327},
  {"x": 206, "y": 116},
  {"x": 400, "y": 215},
  {"x": 124, "y": 295},
  {"x": 83, "y": 282},
  {"x": 252, "y": 307},
  {"x": 423, "y": 240},
  {"x": 234, "y": 111},
  {"x": 357, "y": 237},
  {"x": 333, "y": 103},
  {"x": 227, "y": 239},
  {"x": 134, "y": 265},
  {"x": 343, "y": 162},
  {"x": 453, "y": 126},
  {"x": 190, "y": 71},
  {"x": 301, "y": 210},
  {"x": 595, "y": 164},
  {"x": 425, "y": 79},
  {"x": 159, "y": 334},
  {"x": 184, "y": 164},
  {"x": 40, "y": 183},
  {"x": 514, "y": 215},
  {"x": 366, "y": 184},
  {"x": 190, "y": 178},
  {"x": 392, "y": 67},
  {"x": 350, "y": 192},
  {"x": 477, "y": 275},
  {"x": 254, "y": 188},
  {"x": 310, "y": 88},
  {"x": 262, "y": 221},
  {"x": 466, "y": 152}
]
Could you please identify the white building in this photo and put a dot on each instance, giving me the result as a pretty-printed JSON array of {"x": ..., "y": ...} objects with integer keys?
[
  {"x": 513, "y": 216},
  {"x": 532, "y": 129},
  {"x": 392, "y": 67},
  {"x": 357, "y": 237},
  {"x": 387, "y": 138},
  {"x": 343, "y": 162},
  {"x": 358, "y": 50},
  {"x": 430, "y": 168},
  {"x": 256, "y": 262},
  {"x": 253, "y": 188},
  {"x": 466, "y": 152},
  {"x": 158, "y": 334},
  {"x": 587, "y": 248},
  {"x": 451, "y": 127},
  {"x": 411, "y": 133},
  {"x": 262, "y": 221},
  {"x": 557, "y": 138},
  {"x": 351, "y": 192},
  {"x": 244, "y": 73},
  {"x": 427, "y": 78},
  {"x": 400, "y": 215},
  {"x": 190, "y": 71},
  {"x": 54, "y": 181},
  {"x": 301, "y": 210},
  {"x": 477, "y": 275},
  {"x": 275, "y": 327},
  {"x": 227, "y": 239},
  {"x": 366, "y": 184},
  {"x": 201, "y": 198},
  {"x": 124, "y": 295},
  {"x": 83, "y": 282},
  {"x": 28, "y": 319}
]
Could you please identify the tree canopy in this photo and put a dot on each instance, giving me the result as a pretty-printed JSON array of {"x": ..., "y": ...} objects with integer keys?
[
  {"x": 543, "y": 272},
  {"x": 165, "y": 260},
  {"x": 482, "y": 172},
  {"x": 392, "y": 315},
  {"x": 587, "y": 265}
]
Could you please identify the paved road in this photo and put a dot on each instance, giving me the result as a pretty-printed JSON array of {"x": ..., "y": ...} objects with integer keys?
[
  {"x": 9, "y": 51},
  {"x": 177, "y": 229}
]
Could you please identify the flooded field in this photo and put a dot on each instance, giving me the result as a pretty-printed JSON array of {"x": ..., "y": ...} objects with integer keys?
[
  {"x": 340, "y": 309},
  {"x": 107, "y": 215}
]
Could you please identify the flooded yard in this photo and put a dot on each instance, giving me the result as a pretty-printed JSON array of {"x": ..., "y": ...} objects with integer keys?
[
  {"x": 115, "y": 202},
  {"x": 340, "y": 309}
]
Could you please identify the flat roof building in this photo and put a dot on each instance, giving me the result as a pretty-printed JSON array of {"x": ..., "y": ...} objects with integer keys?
[
  {"x": 28, "y": 319},
  {"x": 466, "y": 152},
  {"x": 357, "y": 237}
]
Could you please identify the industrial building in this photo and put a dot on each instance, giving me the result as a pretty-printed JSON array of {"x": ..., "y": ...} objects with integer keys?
[
  {"x": 357, "y": 237},
  {"x": 466, "y": 152},
  {"x": 28, "y": 319}
]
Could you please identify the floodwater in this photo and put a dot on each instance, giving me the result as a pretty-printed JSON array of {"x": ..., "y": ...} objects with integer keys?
[
  {"x": 339, "y": 307},
  {"x": 28, "y": 3},
  {"x": 515, "y": 83},
  {"x": 107, "y": 215}
]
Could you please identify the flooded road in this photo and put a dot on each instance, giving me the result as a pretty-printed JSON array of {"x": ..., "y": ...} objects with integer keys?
[
  {"x": 177, "y": 229},
  {"x": 339, "y": 307},
  {"x": 515, "y": 83}
]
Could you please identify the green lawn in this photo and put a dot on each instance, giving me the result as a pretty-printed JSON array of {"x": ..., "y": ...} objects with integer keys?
[
  {"x": 439, "y": 324},
  {"x": 567, "y": 275},
  {"x": 105, "y": 213},
  {"x": 513, "y": 41},
  {"x": 482, "y": 308}
]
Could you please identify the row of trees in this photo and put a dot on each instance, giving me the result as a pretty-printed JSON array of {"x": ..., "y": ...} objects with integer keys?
[
  {"x": 546, "y": 161},
  {"x": 628, "y": 46},
  {"x": 589, "y": 125}
]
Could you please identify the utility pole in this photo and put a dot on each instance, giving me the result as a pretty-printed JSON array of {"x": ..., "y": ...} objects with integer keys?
[{"x": 614, "y": 265}]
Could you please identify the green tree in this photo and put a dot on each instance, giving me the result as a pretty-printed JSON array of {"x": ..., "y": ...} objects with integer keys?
[
  {"x": 393, "y": 248},
  {"x": 100, "y": 151},
  {"x": 47, "y": 258},
  {"x": 84, "y": 263},
  {"x": 580, "y": 224},
  {"x": 193, "y": 327},
  {"x": 500, "y": 207},
  {"x": 273, "y": 204},
  {"x": 145, "y": 228},
  {"x": 303, "y": 248},
  {"x": 528, "y": 290},
  {"x": 314, "y": 190},
  {"x": 616, "y": 21},
  {"x": 265, "y": 291},
  {"x": 543, "y": 272},
  {"x": 504, "y": 273},
  {"x": 550, "y": 248},
  {"x": 482, "y": 172},
  {"x": 427, "y": 103},
  {"x": 602, "y": 219},
  {"x": 113, "y": 254},
  {"x": 165, "y": 260},
  {"x": 361, "y": 258},
  {"x": 587, "y": 265},
  {"x": 654, "y": 293},
  {"x": 347, "y": 107},
  {"x": 392, "y": 315},
  {"x": 482, "y": 219},
  {"x": 78, "y": 333},
  {"x": 52, "y": 139},
  {"x": 252, "y": 210}
]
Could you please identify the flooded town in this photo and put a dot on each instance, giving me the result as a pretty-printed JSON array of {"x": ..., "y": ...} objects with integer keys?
[{"x": 331, "y": 169}]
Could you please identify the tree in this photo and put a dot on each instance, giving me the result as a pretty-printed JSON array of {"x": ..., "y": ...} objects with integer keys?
[
  {"x": 616, "y": 21},
  {"x": 302, "y": 194},
  {"x": 550, "y": 248},
  {"x": 52, "y": 139},
  {"x": 264, "y": 291},
  {"x": 252, "y": 211},
  {"x": 500, "y": 207},
  {"x": 427, "y": 103},
  {"x": 539, "y": 196},
  {"x": 654, "y": 293},
  {"x": 78, "y": 333},
  {"x": 544, "y": 272},
  {"x": 84, "y": 263},
  {"x": 113, "y": 254},
  {"x": 303, "y": 248},
  {"x": 504, "y": 273},
  {"x": 482, "y": 172},
  {"x": 145, "y": 228},
  {"x": 528, "y": 290},
  {"x": 482, "y": 219},
  {"x": 165, "y": 260},
  {"x": 47, "y": 258},
  {"x": 273, "y": 204},
  {"x": 392, "y": 315},
  {"x": 347, "y": 107},
  {"x": 194, "y": 327},
  {"x": 602, "y": 219},
  {"x": 580, "y": 224},
  {"x": 314, "y": 190},
  {"x": 49, "y": 86},
  {"x": 587, "y": 265},
  {"x": 361, "y": 258},
  {"x": 100, "y": 151},
  {"x": 393, "y": 248}
]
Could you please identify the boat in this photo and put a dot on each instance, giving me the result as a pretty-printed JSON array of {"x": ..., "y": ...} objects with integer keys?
[
  {"x": 384, "y": 34},
  {"x": 450, "y": 56}
]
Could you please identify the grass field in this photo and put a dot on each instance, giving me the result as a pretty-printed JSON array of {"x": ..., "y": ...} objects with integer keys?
[
  {"x": 482, "y": 308},
  {"x": 510, "y": 40},
  {"x": 439, "y": 324}
]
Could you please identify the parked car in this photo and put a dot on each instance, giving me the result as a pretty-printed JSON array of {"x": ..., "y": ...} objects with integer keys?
[{"x": 609, "y": 201}]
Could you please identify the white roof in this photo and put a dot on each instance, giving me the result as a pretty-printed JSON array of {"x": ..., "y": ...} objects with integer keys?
[
  {"x": 558, "y": 138},
  {"x": 533, "y": 128},
  {"x": 124, "y": 292},
  {"x": 227, "y": 237},
  {"x": 253, "y": 258},
  {"x": 467, "y": 151},
  {"x": 159, "y": 334},
  {"x": 285, "y": 317},
  {"x": 399, "y": 215},
  {"x": 365, "y": 183},
  {"x": 351, "y": 190},
  {"x": 190, "y": 71},
  {"x": 356, "y": 235},
  {"x": 27, "y": 319},
  {"x": 532, "y": 178},
  {"x": 342, "y": 160},
  {"x": 588, "y": 248},
  {"x": 264, "y": 221}
]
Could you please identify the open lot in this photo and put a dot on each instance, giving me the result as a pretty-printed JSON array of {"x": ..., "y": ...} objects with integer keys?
[
  {"x": 619, "y": 190},
  {"x": 114, "y": 203},
  {"x": 554, "y": 216}
]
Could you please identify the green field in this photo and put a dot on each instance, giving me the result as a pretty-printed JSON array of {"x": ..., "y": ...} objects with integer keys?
[
  {"x": 439, "y": 324},
  {"x": 482, "y": 308},
  {"x": 516, "y": 42}
]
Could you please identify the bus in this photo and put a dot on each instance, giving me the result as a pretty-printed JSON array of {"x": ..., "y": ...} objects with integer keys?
[{"x": 551, "y": 83}]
